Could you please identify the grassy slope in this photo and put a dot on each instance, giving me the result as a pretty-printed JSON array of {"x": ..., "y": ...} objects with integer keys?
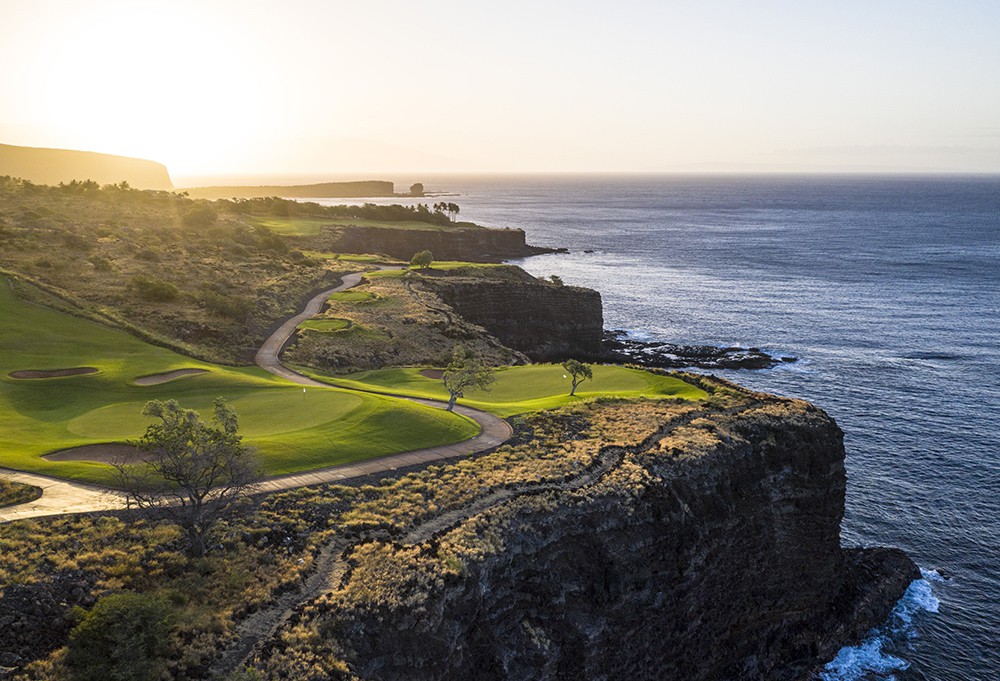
[
  {"x": 310, "y": 226},
  {"x": 524, "y": 388},
  {"x": 292, "y": 430}
]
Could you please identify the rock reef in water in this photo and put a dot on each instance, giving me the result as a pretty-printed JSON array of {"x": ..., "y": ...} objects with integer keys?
[{"x": 698, "y": 543}]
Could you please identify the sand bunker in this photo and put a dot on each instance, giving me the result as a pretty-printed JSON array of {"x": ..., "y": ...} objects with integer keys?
[
  {"x": 109, "y": 452},
  {"x": 52, "y": 373},
  {"x": 436, "y": 374},
  {"x": 157, "y": 379}
]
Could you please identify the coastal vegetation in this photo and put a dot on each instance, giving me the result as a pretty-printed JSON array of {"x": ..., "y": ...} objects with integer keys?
[
  {"x": 209, "y": 279},
  {"x": 253, "y": 557},
  {"x": 12, "y": 493}
]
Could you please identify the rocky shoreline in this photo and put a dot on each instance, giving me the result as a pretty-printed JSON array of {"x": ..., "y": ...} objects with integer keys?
[{"x": 619, "y": 348}]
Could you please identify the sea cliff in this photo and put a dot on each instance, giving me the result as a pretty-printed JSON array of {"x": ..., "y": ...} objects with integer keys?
[
  {"x": 548, "y": 323},
  {"x": 691, "y": 542},
  {"x": 473, "y": 244}
]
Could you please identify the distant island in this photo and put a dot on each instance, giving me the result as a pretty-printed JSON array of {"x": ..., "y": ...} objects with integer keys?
[{"x": 52, "y": 166}]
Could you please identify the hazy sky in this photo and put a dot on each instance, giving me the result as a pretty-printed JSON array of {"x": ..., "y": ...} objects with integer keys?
[{"x": 247, "y": 87}]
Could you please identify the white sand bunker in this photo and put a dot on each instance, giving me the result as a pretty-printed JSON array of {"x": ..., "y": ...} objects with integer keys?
[
  {"x": 53, "y": 373},
  {"x": 108, "y": 452},
  {"x": 156, "y": 379}
]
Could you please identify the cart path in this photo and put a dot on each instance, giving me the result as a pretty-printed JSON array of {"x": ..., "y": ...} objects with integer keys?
[{"x": 62, "y": 497}]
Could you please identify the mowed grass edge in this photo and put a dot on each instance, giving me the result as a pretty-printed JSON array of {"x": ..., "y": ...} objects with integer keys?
[{"x": 521, "y": 389}]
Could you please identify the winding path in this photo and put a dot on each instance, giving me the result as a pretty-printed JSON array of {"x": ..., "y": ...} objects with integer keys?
[{"x": 61, "y": 497}]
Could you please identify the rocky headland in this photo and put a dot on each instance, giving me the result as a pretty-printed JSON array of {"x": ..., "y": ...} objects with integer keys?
[{"x": 659, "y": 541}]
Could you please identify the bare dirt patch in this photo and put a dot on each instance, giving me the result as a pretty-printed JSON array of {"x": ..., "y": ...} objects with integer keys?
[
  {"x": 52, "y": 373},
  {"x": 434, "y": 374},
  {"x": 157, "y": 379},
  {"x": 108, "y": 452}
]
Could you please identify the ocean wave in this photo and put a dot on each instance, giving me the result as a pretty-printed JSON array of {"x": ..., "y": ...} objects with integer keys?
[{"x": 873, "y": 658}]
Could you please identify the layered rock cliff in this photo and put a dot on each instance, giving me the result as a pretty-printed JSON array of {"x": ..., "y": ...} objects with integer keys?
[
  {"x": 546, "y": 322},
  {"x": 690, "y": 542},
  {"x": 472, "y": 244}
]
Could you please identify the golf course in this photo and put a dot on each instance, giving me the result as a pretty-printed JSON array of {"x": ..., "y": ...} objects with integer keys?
[{"x": 293, "y": 428}]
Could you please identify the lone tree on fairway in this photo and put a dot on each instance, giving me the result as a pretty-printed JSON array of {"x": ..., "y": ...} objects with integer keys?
[
  {"x": 422, "y": 259},
  {"x": 194, "y": 472},
  {"x": 579, "y": 371},
  {"x": 465, "y": 372}
]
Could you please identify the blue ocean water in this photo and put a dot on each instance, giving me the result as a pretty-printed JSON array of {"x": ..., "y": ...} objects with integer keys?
[{"x": 887, "y": 289}]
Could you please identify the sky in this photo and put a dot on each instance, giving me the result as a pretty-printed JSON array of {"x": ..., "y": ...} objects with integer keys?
[{"x": 310, "y": 87}]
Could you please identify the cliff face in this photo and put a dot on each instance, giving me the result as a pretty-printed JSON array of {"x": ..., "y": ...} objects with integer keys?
[
  {"x": 708, "y": 551},
  {"x": 52, "y": 166},
  {"x": 473, "y": 245},
  {"x": 544, "y": 321}
]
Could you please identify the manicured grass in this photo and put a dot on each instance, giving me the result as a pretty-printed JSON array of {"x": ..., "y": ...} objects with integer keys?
[
  {"x": 325, "y": 324},
  {"x": 352, "y": 297},
  {"x": 354, "y": 257},
  {"x": 292, "y": 430},
  {"x": 524, "y": 388},
  {"x": 299, "y": 226},
  {"x": 457, "y": 265}
]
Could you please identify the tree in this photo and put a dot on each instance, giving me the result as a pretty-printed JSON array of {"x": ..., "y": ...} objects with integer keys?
[
  {"x": 194, "y": 472},
  {"x": 124, "y": 637},
  {"x": 422, "y": 259},
  {"x": 465, "y": 372},
  {"x": 579, "y": 371},
  {"x": 453, "y": 210},
  {"x": 556, "y": 279}
]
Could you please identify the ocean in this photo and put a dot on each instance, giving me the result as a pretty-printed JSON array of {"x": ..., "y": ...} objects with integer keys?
[{"x": 887, "y": 289}]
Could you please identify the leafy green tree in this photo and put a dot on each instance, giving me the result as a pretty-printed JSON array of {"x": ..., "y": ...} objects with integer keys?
[
  {"x": 422, "y": 259},
  {"x": 194, "y": 472},
  {"x": 125, "y": 637},
  {"x": 579, "y": 371},
  {"x": 465, "y": 372}
]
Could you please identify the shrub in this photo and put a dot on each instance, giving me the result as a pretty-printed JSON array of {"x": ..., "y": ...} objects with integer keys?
[
  {"x": 422, "y": 259},
  {"x": 201, "y": 215},
  {"x": 155, "y": 290},
  {"x": 227, "y": 306},
  {"x": 123, "y": 638}
]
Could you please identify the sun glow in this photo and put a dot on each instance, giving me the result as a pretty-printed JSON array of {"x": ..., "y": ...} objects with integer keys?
[{"x": 147, "y": 81}]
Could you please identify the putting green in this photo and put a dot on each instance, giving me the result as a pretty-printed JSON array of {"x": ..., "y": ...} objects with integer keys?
[
  {"x": 293, "y": 430},
  {"x": 524, "y": 388},
  {"x": 325, "y": 324}
]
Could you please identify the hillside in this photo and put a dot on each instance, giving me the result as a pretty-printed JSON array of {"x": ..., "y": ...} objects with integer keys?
[{"x": 52, "y": 166}]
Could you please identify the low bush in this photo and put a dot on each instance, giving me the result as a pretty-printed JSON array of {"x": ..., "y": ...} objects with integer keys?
[
  {"x": 125, "y": 637},
  {"x": 155, "y": 290}
]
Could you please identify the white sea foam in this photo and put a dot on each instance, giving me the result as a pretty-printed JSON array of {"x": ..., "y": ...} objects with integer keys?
[{"x": 871, "y": 658}]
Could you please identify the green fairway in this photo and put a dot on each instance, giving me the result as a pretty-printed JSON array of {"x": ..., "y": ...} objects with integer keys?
[
  {"x": 325, "y": 324},
  {"x": 293, "y": 430},
  {"x": 352, "y": 297},
  {"x": 523, "y": 388},
  {"x": 312, "y": 226}
]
